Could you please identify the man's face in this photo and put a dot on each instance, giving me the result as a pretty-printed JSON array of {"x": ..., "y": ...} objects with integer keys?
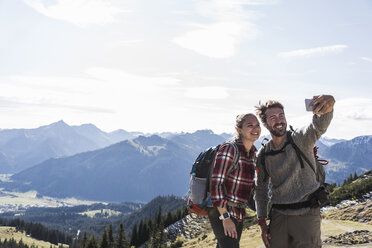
[{"x": 276, "y": 122}]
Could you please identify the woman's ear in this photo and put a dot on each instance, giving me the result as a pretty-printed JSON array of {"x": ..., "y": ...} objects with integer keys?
[{"x": 238, "y": 131}]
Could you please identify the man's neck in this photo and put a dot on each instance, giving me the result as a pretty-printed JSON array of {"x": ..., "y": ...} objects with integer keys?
[{"x": 277, "y": 141}]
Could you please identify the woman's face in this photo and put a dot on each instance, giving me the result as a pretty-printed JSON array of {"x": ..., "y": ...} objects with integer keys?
[{"x": 250, "y": 129}]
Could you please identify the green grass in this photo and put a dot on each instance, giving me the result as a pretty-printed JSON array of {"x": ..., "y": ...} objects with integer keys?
[{"x": 10, "y": 232}]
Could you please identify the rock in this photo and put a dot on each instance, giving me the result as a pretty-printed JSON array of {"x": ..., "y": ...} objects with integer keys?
[
  {"x": 351, "y": 238},
  {"x": 189, "y": 227}
]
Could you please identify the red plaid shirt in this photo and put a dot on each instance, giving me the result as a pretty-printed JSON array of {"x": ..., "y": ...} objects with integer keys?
[{"x": 240, "y": 181}]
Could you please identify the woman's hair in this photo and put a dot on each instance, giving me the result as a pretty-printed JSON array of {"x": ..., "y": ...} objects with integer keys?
[{"x": 240, "y": 119}]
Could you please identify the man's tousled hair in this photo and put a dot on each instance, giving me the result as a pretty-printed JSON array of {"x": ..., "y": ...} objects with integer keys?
[{"x": 263, "y": 107}]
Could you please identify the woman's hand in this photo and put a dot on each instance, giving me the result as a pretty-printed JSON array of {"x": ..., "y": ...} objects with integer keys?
[{"x": 230, "y": 228}]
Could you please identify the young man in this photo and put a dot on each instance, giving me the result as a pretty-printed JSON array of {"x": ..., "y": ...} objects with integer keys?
[{"x": 293, "y": 222}]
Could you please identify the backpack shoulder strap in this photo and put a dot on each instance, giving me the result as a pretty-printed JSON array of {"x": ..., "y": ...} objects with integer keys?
[
  {"x": 235, "y": 158},
  {"x": 299, "y": 153},
  {"x": 262, "y": 160}
]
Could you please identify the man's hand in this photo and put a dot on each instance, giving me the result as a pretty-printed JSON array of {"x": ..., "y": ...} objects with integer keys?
[
  {"x": 323, "y": 104},
  {"x": 229, "y": 227},
  {"x": 265, "y": 235}
]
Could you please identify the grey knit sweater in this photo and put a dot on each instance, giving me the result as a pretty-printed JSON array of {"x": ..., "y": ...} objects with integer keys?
[{"x": 290, "y": 182}]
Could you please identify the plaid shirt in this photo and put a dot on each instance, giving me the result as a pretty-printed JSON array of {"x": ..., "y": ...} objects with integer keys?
[{"x": 238, "y": 184}]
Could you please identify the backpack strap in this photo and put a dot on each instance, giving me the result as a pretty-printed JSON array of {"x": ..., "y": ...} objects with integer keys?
[
  {"x": 233, "y": 167},
  {"x": 299, "y": 153},
  {"x": 269, "y": 153},
  {"x": 290, "y": 141},
  {"x": 235, "y": 158},
  {"x": 263, "y": 163}
]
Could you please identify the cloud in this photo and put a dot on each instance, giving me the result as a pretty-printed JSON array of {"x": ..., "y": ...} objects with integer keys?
[
  {"x": 78, "y": 12},
  {"x": 12, "y": 103},
  {"x": 207, "y": 93},
  {"x": 253, "y": 2},
  {"x": 366, "y": 59},
  {"x": 101, "y": 90},
  {"x": 356, "y": 109},
  {"x": 229, "y": 24},
  {"x": 312, "y": 52},
  {"x": 131, "y": 81},
  {"x": 216, "y": 40}
]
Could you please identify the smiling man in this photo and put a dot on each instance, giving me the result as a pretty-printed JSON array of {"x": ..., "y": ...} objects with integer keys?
[{"x": 294, "y": 219}]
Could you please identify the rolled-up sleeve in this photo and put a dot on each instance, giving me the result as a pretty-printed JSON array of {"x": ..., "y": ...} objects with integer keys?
[{"x": 224, "y": 160}]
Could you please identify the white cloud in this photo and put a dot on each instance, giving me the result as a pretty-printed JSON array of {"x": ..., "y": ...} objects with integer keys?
[
  {"x": 207, "y": 93},
  {"x": 366, "y": 59},
  {"x": 312, "y": 52},
  {"x": 216, "y": 40},
  {"x": 107, "y": 97},
  {"x": 253, "y": 2},
  {"x": 78, "y": 12},
  {"x": 219, "y": 38},
  {"x": 355, "y": 109}
]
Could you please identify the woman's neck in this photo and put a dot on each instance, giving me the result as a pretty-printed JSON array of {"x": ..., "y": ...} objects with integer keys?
[{"x": 247, "y": 144}]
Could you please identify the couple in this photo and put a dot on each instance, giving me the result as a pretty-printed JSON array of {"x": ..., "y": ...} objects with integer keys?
[{"x": 291, "y": 224}]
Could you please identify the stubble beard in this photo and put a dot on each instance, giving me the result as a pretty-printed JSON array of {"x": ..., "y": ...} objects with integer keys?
[{"x": 276, "y": 133}]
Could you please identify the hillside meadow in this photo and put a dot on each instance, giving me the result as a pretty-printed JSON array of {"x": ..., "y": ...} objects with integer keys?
[{"x": 11, "y": 232}]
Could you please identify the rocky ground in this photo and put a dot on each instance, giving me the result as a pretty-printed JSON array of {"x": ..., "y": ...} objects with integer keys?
[
  {"x": 349, "y": 224},
  {"x": 190, "y": 227},
  {"x": 351, "y": 238},
  {"x": 356, "y": 210}
]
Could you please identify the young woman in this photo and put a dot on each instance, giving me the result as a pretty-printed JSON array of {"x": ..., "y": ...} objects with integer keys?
[{"x": 231, "y": 191}]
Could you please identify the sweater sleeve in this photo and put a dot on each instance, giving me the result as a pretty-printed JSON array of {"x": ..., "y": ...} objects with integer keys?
[
  {"x": 224, "y": 160},
  {"x": 312, "y": 133},
  {"x": 262, "y": 187}
]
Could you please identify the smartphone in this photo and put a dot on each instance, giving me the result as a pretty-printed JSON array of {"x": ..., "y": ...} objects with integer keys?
[{"x": 307, "y": 105}]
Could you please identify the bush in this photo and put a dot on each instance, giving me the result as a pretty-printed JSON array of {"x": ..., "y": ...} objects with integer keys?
[{"x": 353, "y": 191}]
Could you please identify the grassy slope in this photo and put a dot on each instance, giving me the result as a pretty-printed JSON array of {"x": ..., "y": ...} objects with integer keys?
[{"x": 10, "y": 232}]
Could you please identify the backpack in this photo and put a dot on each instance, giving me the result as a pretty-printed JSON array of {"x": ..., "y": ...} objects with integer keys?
[
  {"x": 198, "y": 197},
  {"x": 321, "y": 195}
]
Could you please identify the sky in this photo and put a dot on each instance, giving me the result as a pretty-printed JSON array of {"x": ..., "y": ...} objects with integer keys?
[{"x": 183, "y": 65}]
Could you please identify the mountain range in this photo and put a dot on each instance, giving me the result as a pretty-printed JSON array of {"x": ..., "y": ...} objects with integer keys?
[
  {"x": 141, "y": 168},
  {"x": 136, "y": 169},
  {"x": 23, "y": 148}
]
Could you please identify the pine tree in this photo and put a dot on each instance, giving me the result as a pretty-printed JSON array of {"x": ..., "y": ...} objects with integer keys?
[
  {"x": 159, "y": 215},
  {"x": 157, "y": 236},
  {"x": 169, "y": 220},
  {"x": 92, "y": 243},
  {"x": 111, "y": 237},
  {"x": 350, "y": 178},
  {"x": 355, "y": 176},
  {"x": 104, "y": 240},
  {"x": 121, "y": 241},
  {"x": 134, "y": 238},
  {"x": 140, "y": 233},
  {"x": 84, "y": 242}
]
